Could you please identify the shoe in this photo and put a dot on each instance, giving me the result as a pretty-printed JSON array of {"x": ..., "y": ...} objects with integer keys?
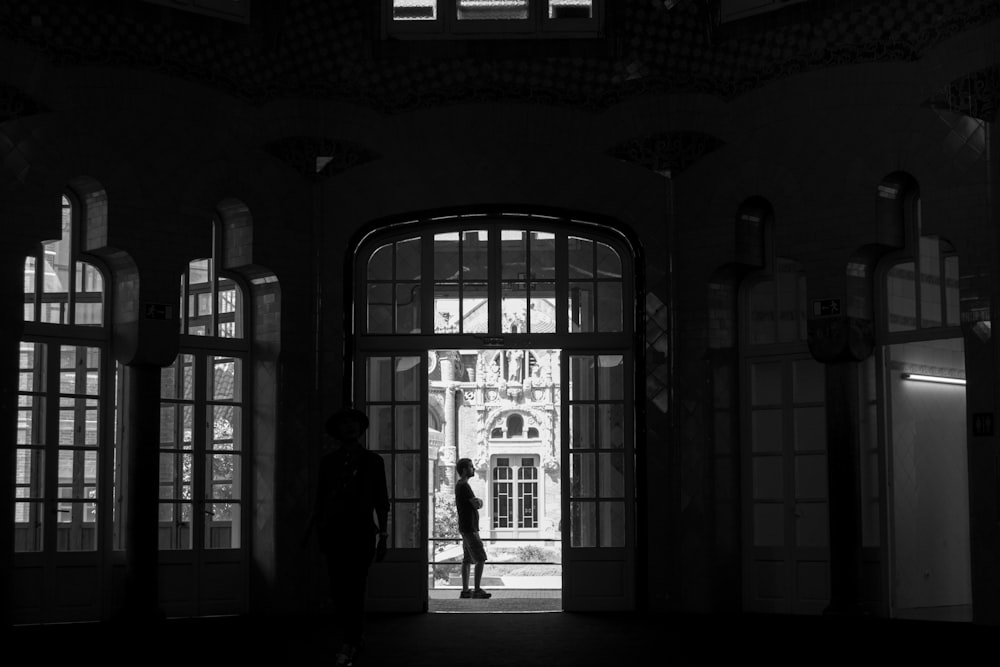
[
  {"x": 481, "y": 594},
  {"x": 345, "y": 656},
  {"x": 465, "y": 594}
]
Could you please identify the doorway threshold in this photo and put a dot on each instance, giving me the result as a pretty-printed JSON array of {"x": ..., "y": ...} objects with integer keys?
[{"x": 504, "y": 601}]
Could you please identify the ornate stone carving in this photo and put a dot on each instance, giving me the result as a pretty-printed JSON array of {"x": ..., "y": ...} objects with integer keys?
[
  {"x": 976, "y": 94},
  {"x": 667, "y": 151}
]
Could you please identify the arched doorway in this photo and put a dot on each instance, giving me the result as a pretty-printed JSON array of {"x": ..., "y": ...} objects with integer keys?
[{"x": 506, "y": 338}]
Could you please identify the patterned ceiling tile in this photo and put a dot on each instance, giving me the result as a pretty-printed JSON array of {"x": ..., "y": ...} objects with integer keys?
[{"x": 327, "y": 49}]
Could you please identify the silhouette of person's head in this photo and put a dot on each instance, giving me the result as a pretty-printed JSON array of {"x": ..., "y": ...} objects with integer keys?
[{"x": 347, "y": 424}]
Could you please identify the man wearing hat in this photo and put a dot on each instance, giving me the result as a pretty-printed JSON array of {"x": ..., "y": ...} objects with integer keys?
[{"x": 351, "y": 520}]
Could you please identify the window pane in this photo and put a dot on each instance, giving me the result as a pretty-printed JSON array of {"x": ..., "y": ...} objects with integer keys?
[
  {"x": 951, "y": 293},
  {"x": 175, "y": 526},
  {"x": 543, "y": 255},
  {"x": 583, "y": 476},
  {"x": 612, "y": 524},
  {"x": 380, "y": 263},
  {"x": 408, "y": 259},
  {"x": 414, "y": 10},
  {"x": 515, "y": 310},
  {"x": 224, "y": 380},
  {"x": 407, "y": 307},
  {"x": 447, "y": 308},
  {"x": 29, "y": 289},
  {"x": 406, "y": 474},
  {"x": 612, "y": 475},
  {"x": 581, "y": 258},
  {"x": 380, "y": 308},
  {"x": 901, "y": 291},
  {"x": 407, "y": 378},
  {"x": 581, "y": 378},
  {"x": 492, "y": 9},
  {"x": 89, "y": 296},
  {"x": 475, "y": 255},
  {"x": 407, "y": 427},
  {"x": 513, "y": 254},
  {"x": 768, "y": 525},
  {"x": 571, "y": 9},
  {"x": 380, "y": 374},
  {"x": 405, "y": 529},
  {"x": 763, "y": 313},
  {"x": 582, "y": 432},
  {"x": 612, "y": 426},
  {"x": 609, "y": 308},
  {"x": 611, "y": 376},
  {"x": 931, "y": 293},
  {"x": 475, "y": 308},
  {"x": 224, "y": 431},
  {"x": 27, "y": 526},
  {"x": 542, "y": 308},
  {"x": 767, "y": 478},
  {"x": 583, "y": 524},
  {"x": 447, "y": 249},
  {"x": 222, "y": 526},
  {"x": 581, "y": 307}
]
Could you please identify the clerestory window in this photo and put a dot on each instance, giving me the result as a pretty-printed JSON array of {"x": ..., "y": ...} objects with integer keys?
[{"x": 493, "y": 18}]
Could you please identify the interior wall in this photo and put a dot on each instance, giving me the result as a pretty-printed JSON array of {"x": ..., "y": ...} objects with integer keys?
[{"x": 929, "y": 493}]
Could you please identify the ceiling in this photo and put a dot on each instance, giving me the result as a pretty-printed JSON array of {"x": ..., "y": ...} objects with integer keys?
[{"x": 332, "y": 49}]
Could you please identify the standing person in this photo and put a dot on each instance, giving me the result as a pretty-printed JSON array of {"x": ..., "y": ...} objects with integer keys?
[
  {"x": 352, "y": 507},
  {"x": 468, "y": 526}
]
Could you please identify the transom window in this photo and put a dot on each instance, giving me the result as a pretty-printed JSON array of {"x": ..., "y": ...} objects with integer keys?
[
  {"x": 515, "y": 18},
  {"x": 923, "y": 292},
  {"x": 493, "y": 280}
]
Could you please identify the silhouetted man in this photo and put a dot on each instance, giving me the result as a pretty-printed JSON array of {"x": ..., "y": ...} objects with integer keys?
[
  {"x": 468, "y": 526},
  {"x": 352, "y": 507}
]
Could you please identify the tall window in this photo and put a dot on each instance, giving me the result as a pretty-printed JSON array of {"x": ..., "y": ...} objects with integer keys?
[
  {"x": 515, "y": 492},
  {"x": 202, "y": 415},
  {"x": 922, "y": 292},
  {"x": 62, "y": 432},
  {"x": 517, "y": 18}
]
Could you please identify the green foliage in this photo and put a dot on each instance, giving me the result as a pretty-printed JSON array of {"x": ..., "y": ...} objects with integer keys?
[
  {"x": 532, "y": 553},
  {"x": 445, "y": 519}
]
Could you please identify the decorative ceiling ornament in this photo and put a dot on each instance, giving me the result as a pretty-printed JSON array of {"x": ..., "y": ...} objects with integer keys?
[
  {"x": 667, "y": 151},
  {"x": 15, "y": 103},
  {"x": 317, "y": 158},
  {"x": 976, "y": 94}
]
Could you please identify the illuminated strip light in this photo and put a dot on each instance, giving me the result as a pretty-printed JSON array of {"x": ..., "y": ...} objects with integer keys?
[{"x": 937, "y": 379}]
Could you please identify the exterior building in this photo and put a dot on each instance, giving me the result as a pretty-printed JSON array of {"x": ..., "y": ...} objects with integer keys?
[{"x": 705, "y": 289}]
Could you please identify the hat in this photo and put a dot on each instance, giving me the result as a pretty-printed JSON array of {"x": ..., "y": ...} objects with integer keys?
[{"x": 346, "y": 414}]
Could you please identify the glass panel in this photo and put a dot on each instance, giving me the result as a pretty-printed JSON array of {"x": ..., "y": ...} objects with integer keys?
[
  {"x": 27, "y": 526},
  {"x": 29, "y": 289},
  {"x": 612, "y": 426},
  {"x": 612, "y": 475},
  {"x": 901, "y": 293},
  {"x": 446, "y": 257},
  {"x": 542, "y": 307},
  {"x": 447, "y": 309},
  {"x": 408, "y": 308},
  {"x": 951, "y": 291},
  {"x": 230, "y": 309},
  {"x": 414, "y": 10},
  {"x": 583, "y": 476},
  {"x": 609, "y": 306},
  {"x": 380, "y": 308},
  {"x": 406, "y": 482},
  {"x": 407, "y": 427},
  {"x": 788, "y": 302},
  {"x": 768, "y": 525},
  {"x": 812, "y": 526},
  {"x": 224, "y": 431},
  {"x": 582, "y": 431},
  {"x": 810, "y": 476},
  {"x": 611, "y": 377},
  {"x": 405, "y": 525},
  {"x": 763, "y": 312},
  {"x": 583, "y": 524},
  {"x": 612, "y": 524},
  {"x": 175, "y": 476},
  {"x": 380, "y": 263},
  {"x": 609, "y": 264},
  {"x": 513, "y": 255},
  {"x": 224, "y": 380},
  {"x": 492, "y": 9},
  {"x": 475, "y": 308},
  {"x": 30, "y": 415},
  {"x": 571, "y": 9},
  {"x": 515, "y": 308},
  {"x": 810, "y": 428},
  {"x": 767, "y": 478},
  {"x": 766, "y": 430},
  {"x": 176, "y": 379},
  {"x": 581, "y": 378},
  {"x": 176, "y": 423},
  {"x": 408, "y": 260},
  {"x": 89, "y": 309},
  {"x": 175, "y": 526},
  {"x": 930, "y": 282},
  {"x": 475, "y": 255},
  {"x": 56, "y": 280},
  {"x": 380, "y": 374},
  {"x": 808, "y": 379},
  {"x": 380, "y": 431},
  {"x": 407, "y": 378},
  {"x": 765, "y": 383},
  {"x": 542, "y": 248},
  {"x": 581, "y": 307},
  {"x": 222, "y": 526},
  {"x": 581, "y": 258}
]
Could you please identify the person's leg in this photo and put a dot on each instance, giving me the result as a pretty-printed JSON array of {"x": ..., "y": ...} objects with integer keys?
[
  {"x": 466, "y": 564},
  {"x": 479, "y": 575}
]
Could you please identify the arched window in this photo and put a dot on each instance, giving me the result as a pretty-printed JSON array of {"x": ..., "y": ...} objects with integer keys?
[
  {"x": 202, "y": 413},
  {"x": 494, "y": 280},
  {"x": 64, "y": 435},
  {"x": 777, "y": 306}
]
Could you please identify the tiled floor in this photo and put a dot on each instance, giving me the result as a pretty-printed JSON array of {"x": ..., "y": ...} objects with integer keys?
[{"x": 504, "y": 600}]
